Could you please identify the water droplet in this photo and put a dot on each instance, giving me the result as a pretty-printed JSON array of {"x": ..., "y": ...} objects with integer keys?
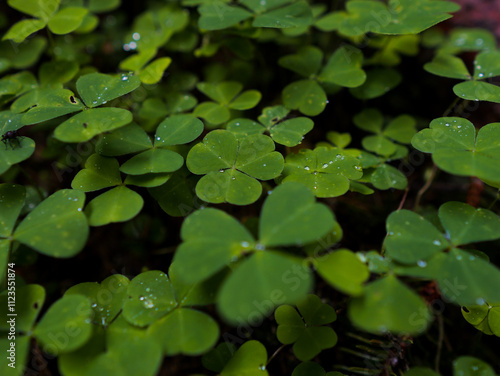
[
  {"x": 307, "y": 168},
  {"x": 245, "y": 244},
  {"x": 436, "y": 242},
  {"x": 136, "y": 36},
  {"x": 421, "y": 263},
  {"x": 325, "y": 165},
  {"x": 264, "y": 165},
  {"x": 262, "y": 367},
  {"x": 480, "y": 301}
]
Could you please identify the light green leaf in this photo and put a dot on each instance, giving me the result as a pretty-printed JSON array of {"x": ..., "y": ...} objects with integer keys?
[
  {"x": 87, "y": 124},
  {"x": 306, "y": 62},
  {"x": 291, "y": 216},
  {"x": 386, "y": 176},
  {"x": 15, "y": 152},
  {"x": 153, "y": 73},
  {"x": 249, "y": 360},
  {"x": 67, "y": 20},
  {"x": 211, "y": 240},
  {"x": 470, "y": 366},
  {"x": 23, "y": 29},
  {"x": 177, "y": 130},
  {"x": 119, "y": 204},
  {"x": 28, "y": 304},
  {"x": 99, "y": 172},
  {"x": 212, "y": 112},
  {"x": 477, "y": 91},
  {"x": 448, "y": 66},
  {"x": 464, "y": 224},
  {"x": 153, "y": 161},
  {"x": 297, "y": 14},
  {"x": 97, "y": 88},
  {"x": 246, "y": 100},
  {"x": 150, "y": 296},
  {"x": 218, "y": 16},
  {"x": 126, "y": 140},
  {"x": 268, "y": 280},
  {"x": 379, "y": 145},
  {"x": 343, "y": 270},
  {"x": 344, "y": 68},
  {"x": 72, "y": 311},
  {"x": 307, "y": 96},
  {"x": 185, "y": 331},
  {"x": 411, "y": 238},
  {"x": 36, "y": 8},
  {"x": 387, "y": 305},
  {"x": 291, "y": 132}
]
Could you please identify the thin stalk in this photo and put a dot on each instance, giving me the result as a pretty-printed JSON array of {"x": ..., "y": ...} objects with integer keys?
[
  {"x": 425, "y": 187},
  {"x": 275, "y": 353}
]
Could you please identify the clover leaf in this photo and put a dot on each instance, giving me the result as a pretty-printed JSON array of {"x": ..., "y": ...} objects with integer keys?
[
  {"x": 404, "y": 17},
  {"x": 290, "y": 216},
  {"x": 283, "y": 130},
  {"x": 343, "y": 68},
  {"x": 306, "y": 330},
  {"x": 378, "y": 82},
  {"x": 387, "y": 305},
  {"x": 457, "y": 149},
  {"x": 485, "y": 317},
  {"x": 250, "y": 359},
  {"x": 475, "y": 88},
  {"x": 326, "y": 172},
  {"x": 232, "y": 167},
  {"x": 273, "y": 14},
  {"x": 225, "y": 96},
  {"x": 469, "y": 366}
]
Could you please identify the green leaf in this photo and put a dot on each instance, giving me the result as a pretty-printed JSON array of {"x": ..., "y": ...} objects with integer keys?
[
  {"x": 306, "y": 62},
  {"x": 379, "y": 145},
  {"x": 469, "y": 39},
  {"x": 67, "y": 20},
  {"x": 291, "y": 132},
  {"x": 290, "y": 216},
  {"x": 218, "y": 16},
  {"x": 147, "y": 180},
  {"x": 420, "y": 371},
  {"x": 343, "y": 270},
  {"x": 61, "y": 221},
  {"x": 126, "y": 140},
  {"x": 411, "y": 238},
  {"x": 107, "y": 297},
  {"x": 386, "y": 176},
  {"x": 448, "y": 66},
  {"x": 477, "y": 91},
  {"x": 21, "y": 354},
  {"x": 470, "y": 366},
  {"x": 153, "y": 161},
  {"x": 307, "y": 96},
  {"x": 97, "y": 88},
  {"x": 387, "y": 305},
  {"x": 211, "y": 240},
  {"x": 269, "y": 280},
  {"x": 461, "y": 279},
  {"x": 138, "y": 61},
  {"x": 456, "y": 149},
  {"x": 297, "y": 14},
  {"x": 99, "y": 172},
  {"x": 154, "y": 72},
  {"x": 28, "y": 304},
  {"x": 23, "y": 29},
  {"x": 306, "y": 333},
  {"x": 249, "y": 360},
  {"x": 57, "y": 72},
  {"x": 119, "y": 204},
  {"x": 212, "y": 112},
  {"x": 370, "y": 120},
  {"x": 36, "y": 8},
  {"x": 87, "y": 124},
  {"x": 326, "y": 172},
  {"x": 72, "y": 311},
  {"x": 46, "y": 104},
  {"x": 465, "y": 224},
  {"x": 15, "y": 152},
  {"x": 246, "y": 100},
  {"x": 150, "y": 297},
  {"x": 11, "y": 202},
  {"x": 378, "y": 82},
  {"x": 217, "y": 358},
  {"x": 185, "y": 331},
  {"x": 344, "y": 68},
  {"x": 98, "y": 6},
  {"x": 177, "y": 130},
  {"x": 308, "y": 369}
]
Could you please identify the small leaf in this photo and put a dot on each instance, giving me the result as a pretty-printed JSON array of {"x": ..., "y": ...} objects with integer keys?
[
  {"x": 210, "y": 16},
  {"x": 72, "y": 311},
  {"x": 67, "y": 20},
  {"x": 246, "y": 100},
  {"x": 61, "y": 221},
  {"x": 307, "y": 96},
  {"x": 378, "y": 82},
  {"x": 153, "y": 161},
  {"x": 29, "y": 303},
  {"x": 470, "y": 366},
  {"x": 23, "y": 29},
  {"x": 297, "y": 14},
  {"x": 35, "y": 8},
  {"x": 386, "y": 176},
  {"x": 11, "y": 203},
  {"x": 177, "y": 130},
  {"x": 119, "y": 204},
  {"x": 344, "y": 68},
  {"x": 306, "y": 62},
  {"x": 154, "y": 72},
  {"x": 387, "y": 305},
  {"x": 477, "y": 91},
  {"x": 98, "y": 88},
  {"x": 126, "y": 140},
  {"x": 150, "y": 297},
  {"x": 448, "y": 66}
]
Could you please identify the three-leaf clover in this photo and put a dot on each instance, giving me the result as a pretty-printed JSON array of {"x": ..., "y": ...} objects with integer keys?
[
  {"x": 325, "y": 171},
  {"x": 306, "y": 328},
  {"x": 474, "y": 88},
  {"x": 226, "y": 96},
  {"x": 457, "y": 149},
  {"x": 413, "y": 241},
  {"x": 213, "y": 240},
  {"x": 286, "y": 131},
  {"x": 232, "y": 166},
  {"x": 342, "y": 68}
]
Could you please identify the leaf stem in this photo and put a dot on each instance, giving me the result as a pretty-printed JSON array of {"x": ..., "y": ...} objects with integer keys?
[
  {"x": 495, "y": 200},
  {"x": 440, "y": 341},
  {"x": 275, "y": 353},
  {"x": 425, "y": 187}
]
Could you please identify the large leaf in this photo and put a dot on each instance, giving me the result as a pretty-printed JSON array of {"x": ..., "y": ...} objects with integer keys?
[
  {"x": 249, "y": 360},
  {"x": 57, "y": 227},
  {"x": 99, "y": 172},
  {"x": 12, "y": 197},
  {"x": 387, "y": 305},
  {"x": 177, "y": 130},
  {"x": 344, "y": 68},
  {"x": 36, "y": 8},
  {"x": 155, "y": 160},
  {"x": 67, "y": 20}
]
